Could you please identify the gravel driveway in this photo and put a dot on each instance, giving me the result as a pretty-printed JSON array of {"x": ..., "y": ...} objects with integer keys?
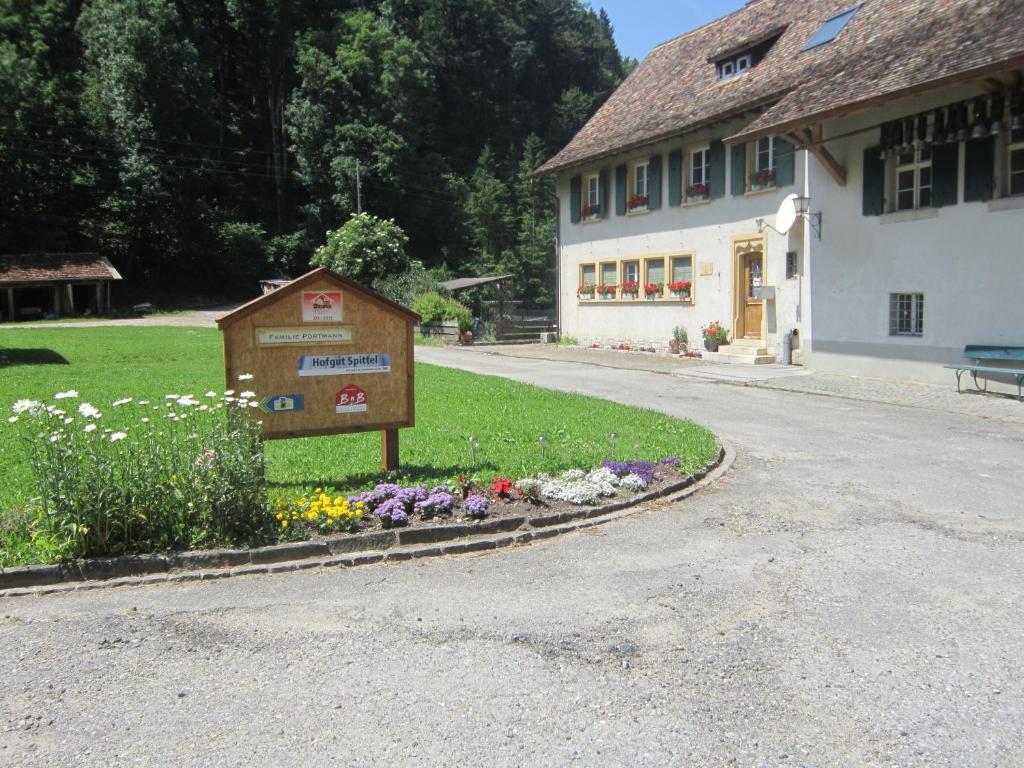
[{"x": 849, "y": 595}]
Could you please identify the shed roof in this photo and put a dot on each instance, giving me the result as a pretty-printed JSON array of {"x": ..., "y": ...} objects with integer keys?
[
  {"x": 28, "y": 268},
  {"x": 461, "y": 283},
  {"x": 300, "y": 282},
  {"x": 888, "y": 47}
]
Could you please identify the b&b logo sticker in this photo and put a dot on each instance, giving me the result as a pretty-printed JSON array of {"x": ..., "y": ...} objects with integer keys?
[
  {"x": 321, "y": 306},
  {"x": 351, "y": 399}
]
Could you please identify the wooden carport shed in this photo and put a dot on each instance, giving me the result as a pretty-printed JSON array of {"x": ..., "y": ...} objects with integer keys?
[{"x": 40, "y": 284}]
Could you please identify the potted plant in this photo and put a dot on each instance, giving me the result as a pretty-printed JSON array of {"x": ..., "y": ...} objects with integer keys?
[
  {"x": 590, "y": 211},
  {"x": 585, "y": 292},
  {"x": 680, "y": 289},
  {"x": 630, "y": 288},
  {"x": 606, "y": 291},
  {"x": 652, "y": 290},
  {"x": 697, "y": 192},
  {"x": 637, "y": 203},
  {"x": 714, "y": 336},
  {"x": 762, "y": 179},
  {"x": 679, "y": 341}
]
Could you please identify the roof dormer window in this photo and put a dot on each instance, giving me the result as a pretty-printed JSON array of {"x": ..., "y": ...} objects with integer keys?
[{"x": 744, "y": 57}]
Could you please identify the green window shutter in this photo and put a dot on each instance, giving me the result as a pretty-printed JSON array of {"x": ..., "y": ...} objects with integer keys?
[
  {"x": 620, "y": 190},
  {"x": 602, "y": 193},
  {"x": 654, "y": 183},
  {"x": 675, "y": 178},
  {"x": 979, "y": 170},
  {"x": 574, "y": 199},
  {"x": 739, "y": 169},
  {"x": 785, "y": 157},
  {"x": 716, "y": 171},
  {"x": 874, "y": 182},
  {"x": 945, "y": 174}
]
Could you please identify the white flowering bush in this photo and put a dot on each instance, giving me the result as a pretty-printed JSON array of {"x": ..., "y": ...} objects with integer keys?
[
  {"x": 632, "y": 482},
  {"x": 144, "y": 476}
]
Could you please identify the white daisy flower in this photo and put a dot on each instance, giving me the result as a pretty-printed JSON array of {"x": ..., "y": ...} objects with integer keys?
[
  {"x": 12, "y": 419},
  {"x": 211, "y": 393},
  {"x": 245, "y": 377},
  {"x": 24, "y": 405},
  {"x": 90, "y": 427},
  {"x": 229, "y": 391},
  {"x": 89, "y": 411},
  {"x": 118, "y": 436},
  {"x": 122, "y": 401},
  {"x": 248, "y": 393},
  {"x": 65, "y": 395},
  {"x": 171, "y": 397}
]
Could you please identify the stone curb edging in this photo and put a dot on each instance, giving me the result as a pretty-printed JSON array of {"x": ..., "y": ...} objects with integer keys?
[{"x": 340, "y": 551}]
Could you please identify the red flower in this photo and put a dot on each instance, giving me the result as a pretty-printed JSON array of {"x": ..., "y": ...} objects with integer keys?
[{"x": 502, "y": 486}]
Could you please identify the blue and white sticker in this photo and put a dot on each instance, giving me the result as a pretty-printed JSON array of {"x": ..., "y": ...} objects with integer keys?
[
  {"x": 336, "y": 365},
  {"x": 283, "y": 403}
]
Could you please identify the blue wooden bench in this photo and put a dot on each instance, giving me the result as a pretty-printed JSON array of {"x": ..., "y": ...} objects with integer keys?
[{"x": 979, "y": 354}]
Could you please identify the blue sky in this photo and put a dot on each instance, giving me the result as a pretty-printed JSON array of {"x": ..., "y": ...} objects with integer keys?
[{"x": 642, "y": 24}]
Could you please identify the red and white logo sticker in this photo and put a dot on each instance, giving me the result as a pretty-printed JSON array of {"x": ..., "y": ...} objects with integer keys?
[
  {"x": 321, "y": 307},
  {"x": 351, "y": 399}
]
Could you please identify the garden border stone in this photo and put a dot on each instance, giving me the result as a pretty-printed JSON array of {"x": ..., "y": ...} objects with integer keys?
[{"x": 343, "y": 550}]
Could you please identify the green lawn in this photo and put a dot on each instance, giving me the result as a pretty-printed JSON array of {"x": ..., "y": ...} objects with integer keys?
[{"x": 105, "y": 364}]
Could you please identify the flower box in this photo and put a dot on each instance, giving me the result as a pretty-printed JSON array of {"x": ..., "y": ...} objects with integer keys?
[
  {"x": 637, "y": 203},
  {"x": 590, "y": 212},
  {"x": 630, "y": 289},
  {"x": 764, "y": 179},
  {"x": 652, "y": 291},
  {"x": 606, "y": 292},
  {"x": 585, "y": 293},
  {"x": 680, "y": 289},
  {"x": 696, "y": 193}
]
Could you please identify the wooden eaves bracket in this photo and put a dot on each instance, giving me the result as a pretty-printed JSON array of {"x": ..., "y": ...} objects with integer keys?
[{"x": 810, "y": 139}]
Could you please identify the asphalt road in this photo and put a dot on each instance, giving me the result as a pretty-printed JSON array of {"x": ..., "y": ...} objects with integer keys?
[{"x": 849, "y": 595}]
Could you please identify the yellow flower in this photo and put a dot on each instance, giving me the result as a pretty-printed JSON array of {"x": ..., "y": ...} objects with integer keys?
[
  {"x": 330, "y": 521},
  {"x": 284, "y": 523}
]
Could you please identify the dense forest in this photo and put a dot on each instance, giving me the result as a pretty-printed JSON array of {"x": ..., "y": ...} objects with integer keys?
[{"x": 201, "y": 144}]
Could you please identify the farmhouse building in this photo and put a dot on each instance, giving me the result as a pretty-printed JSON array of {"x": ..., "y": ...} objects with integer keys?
[
  {"x": 895, "y": 129},
  {"x": 35, "y": 285}
]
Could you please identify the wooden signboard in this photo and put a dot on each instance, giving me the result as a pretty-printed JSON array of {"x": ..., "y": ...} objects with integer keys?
[{"x": 327, "y": 357}]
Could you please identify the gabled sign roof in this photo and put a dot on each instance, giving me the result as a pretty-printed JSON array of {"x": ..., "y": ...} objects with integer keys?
[{"x": 317, "y": 275}]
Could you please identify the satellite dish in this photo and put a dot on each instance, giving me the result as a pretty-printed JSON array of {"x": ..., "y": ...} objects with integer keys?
[{"x": 786, "y": 215}]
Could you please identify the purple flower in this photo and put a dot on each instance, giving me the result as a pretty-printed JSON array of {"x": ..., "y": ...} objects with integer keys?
[
  {"x": 644, "y": 469},
  {"x": 476, "y": 506},
  {"x": 392, "y": 511},
  {"x": 438, "y": 502},
  {"x": 409, "y": 496},
  {"x": 672, "y": 461}
]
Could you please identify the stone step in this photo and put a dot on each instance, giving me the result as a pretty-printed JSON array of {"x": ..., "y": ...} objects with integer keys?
[
  {"x": 747, "y": 343},
  {"x": 723, "y": 355},
  {"x": 735, "y": 349}
]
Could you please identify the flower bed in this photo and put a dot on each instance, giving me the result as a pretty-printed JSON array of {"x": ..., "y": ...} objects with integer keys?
[{"x": 390, "y": 505}]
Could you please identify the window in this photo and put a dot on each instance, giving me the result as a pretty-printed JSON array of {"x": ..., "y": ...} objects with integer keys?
[
  {"x": 792, "y": 265},
  {"x": 654, "y": 278},
  {"x": 638, "y": 188},
  {"x": 914, "y": 179},
  {"x": 831, "y": 27},
  {"x": 588, "y": 281},
  {"x": 609, "y": 273},
  {"x": 742, "y": 64},
  {"x": 630, "y": 277},
  {"x": 681, "y": 277},
  {"x": 726, "y": 69},
  {"x": 764, "y": 163},
  {"x": 1016, "y": 163},
  {"x": 592, "y": 201},
  {"x": 697, "y": 186},
  {"x": 906, "y": 314}
]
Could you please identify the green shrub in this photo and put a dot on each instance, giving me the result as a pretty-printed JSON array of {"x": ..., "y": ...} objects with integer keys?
[
  {"x": 404, "y": 287},
  {"x": 435, "y": 308}
]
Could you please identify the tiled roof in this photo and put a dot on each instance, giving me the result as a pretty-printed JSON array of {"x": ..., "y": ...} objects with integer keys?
[
  {"x": 889, "y": 46},
  {"x": 49, "y": 267}
]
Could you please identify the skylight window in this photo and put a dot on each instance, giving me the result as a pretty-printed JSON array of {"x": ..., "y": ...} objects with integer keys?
[{"x": 830, "y": 28}]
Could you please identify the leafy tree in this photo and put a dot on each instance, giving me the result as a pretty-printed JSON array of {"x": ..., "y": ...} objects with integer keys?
[{"x": 365, "y": 249}]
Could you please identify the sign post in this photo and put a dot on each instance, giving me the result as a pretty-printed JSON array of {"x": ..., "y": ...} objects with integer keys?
[{"x": 327, "y": 357}]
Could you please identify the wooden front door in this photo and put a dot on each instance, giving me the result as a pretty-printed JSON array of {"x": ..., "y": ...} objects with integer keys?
[{"x": 752, "y": 310}]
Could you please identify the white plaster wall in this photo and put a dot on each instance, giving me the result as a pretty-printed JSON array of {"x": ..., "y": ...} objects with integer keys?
[
  {"x": 705, "y": 229},
  {"x": 966, "y": 259}
]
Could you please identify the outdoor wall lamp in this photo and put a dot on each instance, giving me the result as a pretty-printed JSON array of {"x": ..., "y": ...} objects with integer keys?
[{"x": 792, "y": 208}]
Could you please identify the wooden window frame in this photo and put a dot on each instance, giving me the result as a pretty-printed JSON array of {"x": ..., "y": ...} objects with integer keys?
[
  {"x": 579, "y": 280},
  {"x": 600, "y": 276},
  {"x": 587, "y": 200},
  {"x": 691, "y": 154},
  {"x": 754, "y": 155},
  {"x": 645, "y": 269},
  {"x": 631, "y": 185},
  {"x": 624, "y": 264},
  {"x": 916, "y": 301},
  {"x": 670, "y": 276},
  {"x": 1012, "y": 147},
  {"x": 915, "y": 167}
]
